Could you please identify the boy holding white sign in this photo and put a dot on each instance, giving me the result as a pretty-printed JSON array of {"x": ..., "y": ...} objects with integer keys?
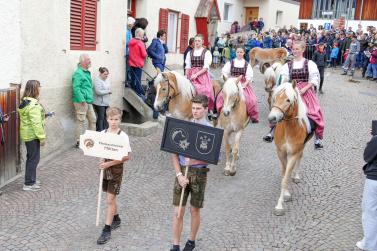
[
  {"x": 112, "y": 178},
  {"x": 194, "y": 183}
]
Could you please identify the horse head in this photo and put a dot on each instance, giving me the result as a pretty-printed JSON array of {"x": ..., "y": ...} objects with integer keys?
[
  {"x": 166, "y": 89},
  {"x": 287, "y": 104},
  {"x": 233, "y": 95}
]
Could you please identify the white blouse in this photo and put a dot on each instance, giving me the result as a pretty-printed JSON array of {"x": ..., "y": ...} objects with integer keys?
[
  {"x": 313, "y": 71},
  {"x": 197, "y": 53},
  {"x": 239, "y": 64}
]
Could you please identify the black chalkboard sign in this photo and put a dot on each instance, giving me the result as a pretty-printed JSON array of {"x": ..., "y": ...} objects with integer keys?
[{"x": 192, "y": 140}]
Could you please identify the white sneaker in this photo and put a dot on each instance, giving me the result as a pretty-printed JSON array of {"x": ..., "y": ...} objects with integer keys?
[
  {"x": 38, "y": 182},
  {"x": 359, "y": 244},
  {"x": 32, "y": 188}
]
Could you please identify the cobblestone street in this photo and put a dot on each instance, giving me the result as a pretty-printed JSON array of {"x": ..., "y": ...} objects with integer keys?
[{"x": 325, "y": 213}]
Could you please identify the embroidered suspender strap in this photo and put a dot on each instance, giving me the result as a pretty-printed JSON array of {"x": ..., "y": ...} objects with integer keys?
[
  {"x": 306, "y": 68},
  {"x": 245, "y": 69},
  {"x": 290, "y": 66},
  {"x": 231, "y": 66}
]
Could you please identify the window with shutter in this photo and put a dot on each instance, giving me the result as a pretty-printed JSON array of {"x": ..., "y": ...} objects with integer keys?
[
  {"x": 163, "y": 22},
  {"x": 83, "y": 24},
  {"x": 185, "y": 22}
]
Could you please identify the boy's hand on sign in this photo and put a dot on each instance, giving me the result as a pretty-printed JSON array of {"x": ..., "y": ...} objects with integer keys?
[
  {"x": 183, "y": 181},
  {"x": 104, "y": 165}
]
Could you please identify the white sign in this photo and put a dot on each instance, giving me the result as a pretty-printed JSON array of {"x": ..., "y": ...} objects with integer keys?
[
  {"x": 327, "y": 13},
  {"x": 104, "y": 145}
]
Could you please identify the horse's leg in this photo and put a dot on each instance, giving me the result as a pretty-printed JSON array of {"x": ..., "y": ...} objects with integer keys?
[
  {"x": 295, "y": 174},
  {"x": 284, "y": 193},
  {"x": 283, "y": 161},
  {"x": 227, "y": 153},
  {"x": 237, "y": 139}
]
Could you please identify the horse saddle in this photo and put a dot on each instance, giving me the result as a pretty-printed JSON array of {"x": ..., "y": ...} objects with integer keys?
[{"x": 313, "y": 126}]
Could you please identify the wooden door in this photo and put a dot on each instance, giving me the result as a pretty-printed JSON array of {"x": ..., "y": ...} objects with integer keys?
[{"x": 251, "y": 14}]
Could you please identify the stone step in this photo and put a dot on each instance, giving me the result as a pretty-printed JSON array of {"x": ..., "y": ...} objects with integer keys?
[
  {"x": 140, "y": 130},
  {"x": 135, "y": 101}
]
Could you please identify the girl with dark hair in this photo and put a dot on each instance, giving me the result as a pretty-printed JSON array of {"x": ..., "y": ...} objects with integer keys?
[
  {"x": 32, "y": 131},
  {"x": 101, "y": 98}
]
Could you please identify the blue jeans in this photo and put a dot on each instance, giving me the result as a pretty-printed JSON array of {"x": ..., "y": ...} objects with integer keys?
[
  {"x": 101, "y": 123},
  {"x": 136, "y": 81},
  {"x": 372, "y": 71},
  {"x": 369, "y": 215}
]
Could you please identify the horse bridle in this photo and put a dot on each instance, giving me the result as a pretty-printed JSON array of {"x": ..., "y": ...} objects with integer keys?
[
  {"x": 284, "y": 112},
  {"x": 166, "y": 101}
]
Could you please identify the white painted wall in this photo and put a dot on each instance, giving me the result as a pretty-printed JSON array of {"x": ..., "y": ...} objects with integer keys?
[
  {"x": 237, "y": 13},
  {"x": 268, "y": 9},
  {"x": 350, "y": 23},
  {"x": 10, "y": 43},
  {"x": 46, "y": 56}
]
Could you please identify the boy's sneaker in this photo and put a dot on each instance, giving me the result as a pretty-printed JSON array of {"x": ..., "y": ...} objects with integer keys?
[
  {"x": 115, "y": 224},
  {"x": 104, "y": 238},
  {"x": 175, "y": 248},
  {"x": 359, "y": 244},
  {"x": 190, "y": 245},
  {"x": 344, "y": 73},
  {"x": 32, "y": 188}
]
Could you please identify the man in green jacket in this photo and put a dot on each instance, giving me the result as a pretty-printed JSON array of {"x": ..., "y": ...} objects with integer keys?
[{"x": 82, "y": 96}]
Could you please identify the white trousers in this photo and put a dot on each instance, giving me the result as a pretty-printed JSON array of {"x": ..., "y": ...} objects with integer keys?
[{"x": 369, "y": 216}]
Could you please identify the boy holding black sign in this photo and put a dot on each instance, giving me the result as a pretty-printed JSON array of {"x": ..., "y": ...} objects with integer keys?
[
  {"x": 194, "y": 183},
  {"x": 112, "y": 178}
]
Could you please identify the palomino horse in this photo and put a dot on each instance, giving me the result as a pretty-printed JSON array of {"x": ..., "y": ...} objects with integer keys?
[
  {"x": 259, "y": 55},
  {"x": 233, "y": 119},
  {"x": 174, "y": 93},
  {"x": 271, "y": 78},
  {"x": 288, "y": 112}
]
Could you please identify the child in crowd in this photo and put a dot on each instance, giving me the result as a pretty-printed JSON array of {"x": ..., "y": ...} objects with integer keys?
[
  {"x": 32, "y": 132},
  {"x": 319, "y": 57},
  {"x": 113, "y": 174},
  {"x": 334, "y": 54},
  {"x": 216, "y": 57},
  {"x": 226, "y": 54}
]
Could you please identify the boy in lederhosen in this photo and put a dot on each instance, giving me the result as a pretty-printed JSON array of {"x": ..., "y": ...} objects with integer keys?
[
  {"x": 112, "y": 178},
  {"x": 195, "y": 182}
]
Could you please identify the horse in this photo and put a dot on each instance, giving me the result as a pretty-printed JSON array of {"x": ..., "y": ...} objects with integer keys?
[
  {"x": 288, "y": 113},
  {"x": 174, "y": 93},
  {"x": 233, "y": 119},
  {"x": 259, "y": 55},
  {"x": 271, "y": 78}
]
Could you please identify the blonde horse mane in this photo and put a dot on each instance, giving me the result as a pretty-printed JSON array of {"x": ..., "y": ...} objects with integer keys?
[
  {"x": 185, "y": 88},
  {"x": 231, "y": 86},
  {"x": 293, "y": 95}
]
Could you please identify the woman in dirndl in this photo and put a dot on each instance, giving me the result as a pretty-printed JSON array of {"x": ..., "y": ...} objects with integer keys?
[
  {"x": 198, "y": 62},
  {"x": 306, "y": 75},
  {"x": 240, "y": 67}
]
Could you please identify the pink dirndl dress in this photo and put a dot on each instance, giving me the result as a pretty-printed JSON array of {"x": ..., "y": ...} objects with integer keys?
[
  {"x": 309, "y": 97},
  {"x": 250, "y": 97},
  {"x": 203, "y": 83}
]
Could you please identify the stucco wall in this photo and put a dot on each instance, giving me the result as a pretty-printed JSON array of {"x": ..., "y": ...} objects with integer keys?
[
  {"x": 10, "y": 42},
  {"x": 47, "y": 57},
  {"x": 237, "y": 13}
]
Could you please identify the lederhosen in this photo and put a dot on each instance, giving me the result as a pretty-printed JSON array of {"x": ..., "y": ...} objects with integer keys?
[
  {"x": 300, "y": 75},
  {"x": 112, "y": 177},
  {"x": 197, "y": 61},
  {"x": 236, "y": 72}
]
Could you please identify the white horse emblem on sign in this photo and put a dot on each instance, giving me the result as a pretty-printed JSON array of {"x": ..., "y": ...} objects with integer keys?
[{"x": 204, "y": 142}]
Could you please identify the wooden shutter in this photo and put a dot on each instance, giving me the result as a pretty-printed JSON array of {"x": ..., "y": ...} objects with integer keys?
[
  {"x": 163, "y": 21},
  {"x": 185, "y": 23},
  {"x": 83, "y": 24},
  {"x": 90, "y": 24},
  {"x": 306, "y": 8},
  {"x": 76, "y": 24}
]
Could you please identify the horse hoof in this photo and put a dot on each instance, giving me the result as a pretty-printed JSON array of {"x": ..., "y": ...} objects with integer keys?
[
  {"x": 296, "y": 180},
  {"x": 232, "y": 173},
  {"x": 287, "y": 198},
  {"x": 226, "y": 172},
  {"x": 279, "y": 212}
]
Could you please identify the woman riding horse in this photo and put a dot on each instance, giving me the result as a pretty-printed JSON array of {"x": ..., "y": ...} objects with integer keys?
[
  {"x": 240, "y": 67},
  {"x": 305, "y": 73},
  {"x": 198, "y": 62}
]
